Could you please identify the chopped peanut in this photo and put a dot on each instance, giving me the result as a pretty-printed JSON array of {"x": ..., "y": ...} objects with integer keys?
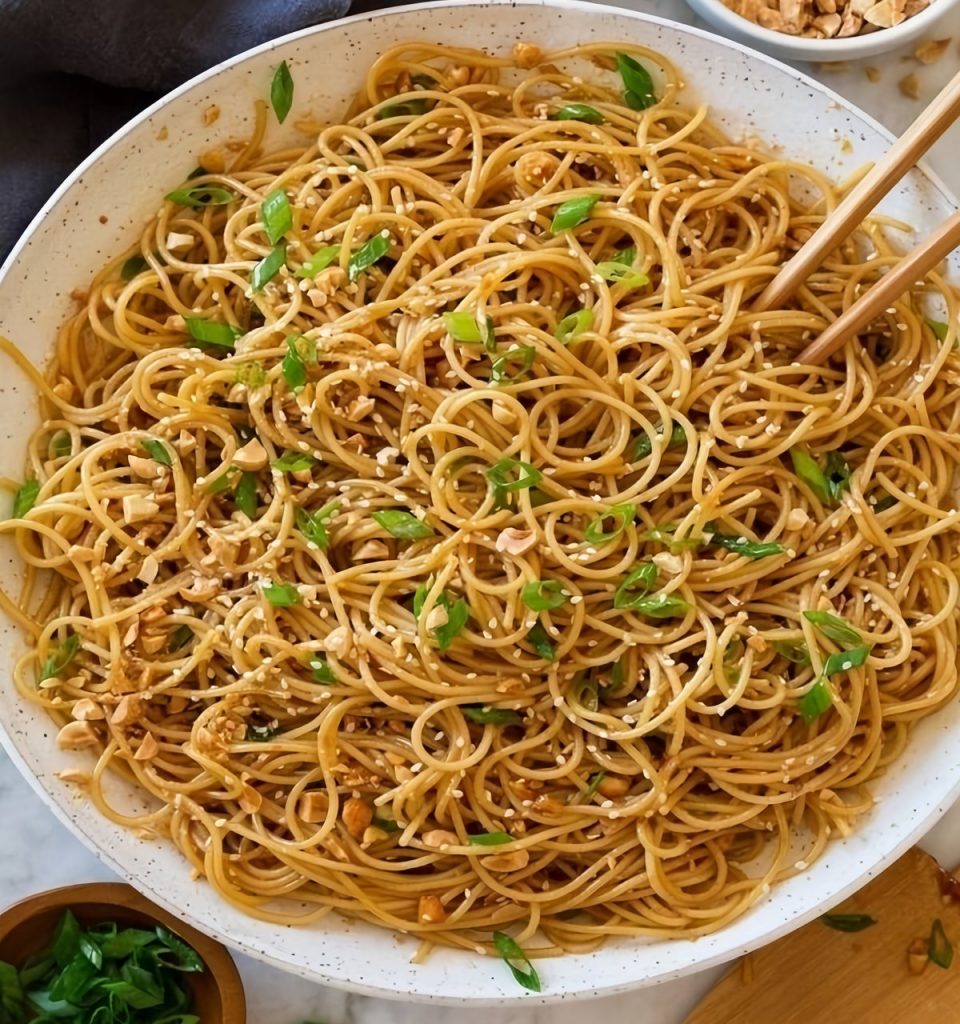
[
  {"x": 917, "y": 956},
  {"x": 87, "y": 710},
  {"x": 148, "y": 748},
  {"x": 314, "y": 806},
  {"x": 430, "y": 910},
  {"x": 516, "y": 542},
  {"x": 77, "y": 736},
  {"x": 536, "y": 168},
  {"x": 613, "y": 786},
  {"x": 439, "y": 837},
  {"x": 137, "y": 507},
  {"x": 128, "y": 710},
  {"x": 338, "y": 641},
  {"x": 357, "y": 815},
  {"x": 438, "y": 617},
  {"x": 507, "y": 861},
  {"x": 757, "y": 643},
  {"x": 251, "y": 457},
  {"x": 527, "y": 55}
]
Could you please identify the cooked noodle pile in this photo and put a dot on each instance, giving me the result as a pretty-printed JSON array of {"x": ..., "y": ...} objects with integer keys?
[{"x": 459, "y": 584}]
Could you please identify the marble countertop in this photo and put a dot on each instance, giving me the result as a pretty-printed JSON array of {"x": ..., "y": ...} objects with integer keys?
[{"x": 39, "y": 853}]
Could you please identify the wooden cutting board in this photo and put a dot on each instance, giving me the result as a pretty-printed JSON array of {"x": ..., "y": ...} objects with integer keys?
[{"x": 817, "y": 975}]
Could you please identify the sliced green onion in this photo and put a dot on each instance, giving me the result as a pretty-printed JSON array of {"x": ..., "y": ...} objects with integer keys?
[
  {"x": 666, "y": 534},
  {"x": 277, "y": 215},
  {"x": 594, "y": 784},
  {"x": 573, "y": 212},
  {"x": 742, "y": 546},
  {"x": 322, "y": 672},
  {"x": 268, "y": 268},
  {"x": 509, "y": 475},
  {"x": 403, "y": 525},
  {"x": 884, "y": 502},
  {"x": 492, "y": 716},
  {"x": 222, "y": 482},
  {"x": 829, "y": 484},
  {"x": 578, "y": 112},
  {"x": 732, "y": 658},
  {"x": 133, "y": 266},
  {"x": 281, "y": 595},
  {"x": 458, "y": 613},
  {"x": 838, "y": 476},
  {"x": 541, "y": 642},
  {"x": 627, "y": 256},
  {"x": 622, "y": 516},
  {"x": 463, "y": 326},
  {"x": 939, "y": 328},
  {"x": 793, "y": 650},
  {"x": 300, "y": 351},
  {"x": 281, "y": 92},
  {"x": 320, "y": 260},
  {"x": 525, "y": 354},
  {"x": 61, "y": 445},
  {"x": 643, "y": 445},
  {"x": 638, "y": 91},
  {"x": 25, "y": 497},
  {"x": 294, "y": 462},
  {"x": 543, "y": 595},
  {"x": 387, "y": 825},
  {"x": 489, "y": 839},
  {"x": 616, "y": 273},
  {"x": 201, "y": 195},
  {"x": 585, "y": 691},
  {"x": 251, "y": 375},
  {"x": 573, "y": 325},
  {"x": 518, "y": 962},
  {"x": 210, "y": 332},
  {"x": 245, "y": 496},
  {"x": 662, "y": 606},
  {"x": 816, "y": 700},
  {"x": 157, "y": 451},
  {"x": 313, "y": 524},
  {"x": 846, "y": 660},
  {"x": 369, "y": 253},
  {"x": 939, "y": 947},
  {"x": 406, "y": 108},
  {"x": 848, "y": 922},
  {"x": 635, "y": 586},
  {"x": 63, "y": 654},
  {"x": 179, "y": 638},
  {"x": 420, "y": 597},
  {"x": 834, "y": 628}
]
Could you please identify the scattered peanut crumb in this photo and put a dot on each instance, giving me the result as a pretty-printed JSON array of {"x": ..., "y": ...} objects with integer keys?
[
  {"x": 872, "y": 73},
  {"x": 211, "y": 114},
  {"x": 929, "y": 51},
  {"x": 909, "y": 86}
]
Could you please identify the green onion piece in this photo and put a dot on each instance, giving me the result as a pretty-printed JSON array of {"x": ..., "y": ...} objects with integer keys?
[
  {"x": 407, "y": 108},
  {"x": 939, "y": 947},
  {"x": 420, "y": 597},
  {"x": 747, "y": 548},
  {"x": 260, "y": 733},
  {"x": 387, "y": 825},
  {"x": 180, "y": 637},
  {"x": 281, "y": 595},
  {"x": 320, "y": 260},
  {"x": 834, "y": 628},
  {"x": 594, "y": 784},
  {"x": 638, "y": 92},
  {"x": 157, "y": 451},
  {"x": 281, "y": 92},
  {"x": 501, "y": 476},
  {"x": 816, "y": 700},
  {"x": 517, "y": 961},
  {"x": 884, "y": 502},
  {"x": 732, "y": 658},
  {"x": 809, "y": 472},
  {"x": 25, "y": 497},
  {"x": 313, "y": 524},
  {"x": 846, "y": 660},
  {"x": 251, "y": 375},
  {"x": 300, "y": 351},
  {"x": 838, "y": 476},
  {"x": 201, "y": 195},
  {"x": 622, "y": 516},
  {"x": 133, "y": 266},
  {"x": 829, "y": 484},
  {"x": 578, "y": 112},
  {"x": 197, "y": 172},
  {"x": 457, "y": 615},
  {"x": 662, "y": 606},
  {"x": 541, "y": 642},
  {"x": 617, "y": 673},
  {"x": 574, "y": 325},
  {"x": 492, "y": 716},
  {"x": 525, "y": 354},
  {"x": 643, "y": 445},
  {"x": 573, "y": 212},
  {"x": 222, "y": 482},
  {"x": 585, "y": 691},
  {"x": 369, "y": 253},
  {"x": 627, "y": 256},
  {"x": 322, "y": 672},
  {"x": 666, "y": 534},
  {"x": 293, "y": 462},
  {"x": 277, "y": 215},
  {"x": 245, "y": 496},
  {"x": 403, "y": 525},
  {"x": 848, "y": 922},
  {"x": 543, "y": 595},
  {"x": 939, "y": 328},
  {"x": 489, "y": 839},
  {"x": 61, "y": 445},
  {"x": 793, "y": 650},
  {"x": 635, "y": 586},
  {"x": 463, "y": 326},
  {"x": 63, "y": 654},
  {"x": 209, "y": 332},
  {"x": 268, "y": 268},
  {"x": 616, "y": 273}
]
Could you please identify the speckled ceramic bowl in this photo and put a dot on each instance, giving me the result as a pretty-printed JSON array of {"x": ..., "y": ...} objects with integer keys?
[{"x": 98, "y": 212}]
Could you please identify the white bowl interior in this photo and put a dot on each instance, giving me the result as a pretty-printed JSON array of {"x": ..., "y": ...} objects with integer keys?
[{"x": 123, "y": 181}]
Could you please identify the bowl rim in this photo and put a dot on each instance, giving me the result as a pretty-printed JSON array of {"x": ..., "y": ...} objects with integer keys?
[
  {"x": 804, "y": 48},
  {"x": 222, "y": 972},
  {"x": 370, "y": 988}
]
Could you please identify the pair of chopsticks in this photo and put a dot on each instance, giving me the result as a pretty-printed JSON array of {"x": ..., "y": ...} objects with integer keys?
[{"x": 851, "y": 211}]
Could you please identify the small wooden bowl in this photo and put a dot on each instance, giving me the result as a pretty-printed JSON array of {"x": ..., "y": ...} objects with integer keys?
[{"x": 27, "y": 928}]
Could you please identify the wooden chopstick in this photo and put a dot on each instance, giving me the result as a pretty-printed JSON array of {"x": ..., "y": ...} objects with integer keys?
[
  {"x": 890, "y": 287},
  {"x": 865, "y": 195}
]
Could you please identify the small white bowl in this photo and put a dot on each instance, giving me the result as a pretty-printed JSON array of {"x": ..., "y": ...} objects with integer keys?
[{"x": 779, "y": 44}]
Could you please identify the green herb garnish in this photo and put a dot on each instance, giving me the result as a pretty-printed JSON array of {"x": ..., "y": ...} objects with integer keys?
[
  {"x": 509, "y": 475},
  {"x": 524, "y": 354},
  {"x": 268, "y": 268},
  {"x": 60, "y": 658},
  {"x": 518, "y": 962},
  {"x": 846, "y": 660},
  {"x": 828, "y": 484},
  {"x": 61, "y": 444},
  {"x": 939, "y": 328},
  {"x": 573, "y": 213},
  {"x": 180, "y": 637},
  {"x": 816, "y": 700},
  {"x": 157, "y": 451},
  {"x": 464, "y": 326},
  {"x": 322, "y": 672},
  {"x": 133, "y": 266},
  {"x": 492, "y": 716},
  {"x": 281, "y": 92},
  {"x": 635, "y": 586},
  {"x": 578, "y": 112},
  {"x": 793, "y": 650},
  {"x": 543, "y": 595},
  {"x": 834, "y": 628},
  {"x": 294, "y": 462},
  {"x": 594, "y": 784},
  {"x": 458, "y": 613},
  {"x": 277, "y": 215},
  {"x": 25, "y": 497},
  {"x": 939, "y": 947},
  {"x": 615, "y": 272},
  {"x": 622, "y": 515},
  {"x": 662, "y": 606},
  {"x": 313, "y": 524},
  {"x": 250, "y": 375},
  {"x": 403, "y": 525},
  {"x": 643, "y": 445},
  {"x": 638, "y": 91},
  {"x": 541, "y": 642},
  {"x": 369, "y": 253},
  {"x": 320, "y": 260},
  {"x": 300, "y": 351},
  {"x": 201, "y": 195},
  {"x": 245, "y": 495},
  {"x": 848, "y": 922},
  {"x": 281, "y": 595},
  {"x": 209, "y": 332},
  {"x": 573, "y": 325},
  {"x": 489, "y": 839},
  {"x": 742, "y": 546}
]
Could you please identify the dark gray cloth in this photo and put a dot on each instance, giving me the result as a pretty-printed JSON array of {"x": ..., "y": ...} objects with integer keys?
[{"x": 73, "y": 71}]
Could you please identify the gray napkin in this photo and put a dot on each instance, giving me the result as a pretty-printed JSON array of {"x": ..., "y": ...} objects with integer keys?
[{"x": 73, "y": 71}]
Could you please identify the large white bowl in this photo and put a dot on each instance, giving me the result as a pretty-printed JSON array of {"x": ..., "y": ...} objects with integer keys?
[{"x": 122, "y": 181}]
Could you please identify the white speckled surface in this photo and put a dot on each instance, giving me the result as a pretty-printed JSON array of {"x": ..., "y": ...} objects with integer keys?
[{"x": 40, "y": 853}]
